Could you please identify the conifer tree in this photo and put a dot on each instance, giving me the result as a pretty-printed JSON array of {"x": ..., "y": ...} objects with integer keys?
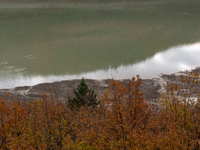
[{"x": 83, "y": 96}]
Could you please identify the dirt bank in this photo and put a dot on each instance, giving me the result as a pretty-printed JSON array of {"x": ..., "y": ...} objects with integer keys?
[{"x": 150, "y": 87}]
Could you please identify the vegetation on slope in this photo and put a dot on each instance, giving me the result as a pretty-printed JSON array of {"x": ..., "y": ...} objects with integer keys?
[{"x": 122, "y": 120}]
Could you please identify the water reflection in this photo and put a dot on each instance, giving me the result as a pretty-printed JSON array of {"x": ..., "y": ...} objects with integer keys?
[{"x": 174, "y": 59}]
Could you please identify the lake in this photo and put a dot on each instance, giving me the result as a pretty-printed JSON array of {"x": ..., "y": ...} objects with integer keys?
[{"x": 53, "y": 41}]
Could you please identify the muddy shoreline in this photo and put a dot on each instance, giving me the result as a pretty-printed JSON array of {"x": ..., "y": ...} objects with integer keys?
[{"x": 152, "y": 88}]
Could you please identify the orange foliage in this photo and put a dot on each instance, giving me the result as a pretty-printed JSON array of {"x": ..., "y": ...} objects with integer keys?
[{"x": 123, "y": 120}]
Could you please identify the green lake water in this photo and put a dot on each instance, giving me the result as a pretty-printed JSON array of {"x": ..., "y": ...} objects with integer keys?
[{"x": 53, "y": 41}]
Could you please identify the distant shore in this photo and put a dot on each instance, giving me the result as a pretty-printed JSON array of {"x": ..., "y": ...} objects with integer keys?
[{"x": 152, "y": 88}]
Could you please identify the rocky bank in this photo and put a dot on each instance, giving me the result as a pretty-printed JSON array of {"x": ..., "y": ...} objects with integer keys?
[{"x": 152, "y": 88}]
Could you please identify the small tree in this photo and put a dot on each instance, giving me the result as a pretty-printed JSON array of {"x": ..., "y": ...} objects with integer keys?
[{"x": 84, "y": 96}]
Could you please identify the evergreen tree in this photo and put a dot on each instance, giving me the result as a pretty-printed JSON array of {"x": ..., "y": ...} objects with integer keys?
[{"x": 83, "y": 96}]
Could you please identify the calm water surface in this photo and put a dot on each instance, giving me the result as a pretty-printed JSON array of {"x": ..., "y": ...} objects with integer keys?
[{"x": 46, "y": 42}]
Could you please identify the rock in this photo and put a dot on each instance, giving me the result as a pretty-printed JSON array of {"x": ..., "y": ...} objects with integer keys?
[{"x": 151, "y": 88}]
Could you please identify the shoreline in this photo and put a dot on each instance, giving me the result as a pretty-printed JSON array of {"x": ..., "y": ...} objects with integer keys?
[{"x": 152, "y": 88}]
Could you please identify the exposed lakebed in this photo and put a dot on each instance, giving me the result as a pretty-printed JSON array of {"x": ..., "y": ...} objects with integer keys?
[{"x": 151, "y": 88}]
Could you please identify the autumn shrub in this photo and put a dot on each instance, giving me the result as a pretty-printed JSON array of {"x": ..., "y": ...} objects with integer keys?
[
  {"x": 123, "y": 120},
  {"x": 180, "y": 109},
  {"x": 12, "y": 124},
  {"x": 126, "y": 114}
]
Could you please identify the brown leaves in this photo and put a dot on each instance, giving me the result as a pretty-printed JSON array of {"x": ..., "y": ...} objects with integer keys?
[{"x": 123, "y": 120}]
